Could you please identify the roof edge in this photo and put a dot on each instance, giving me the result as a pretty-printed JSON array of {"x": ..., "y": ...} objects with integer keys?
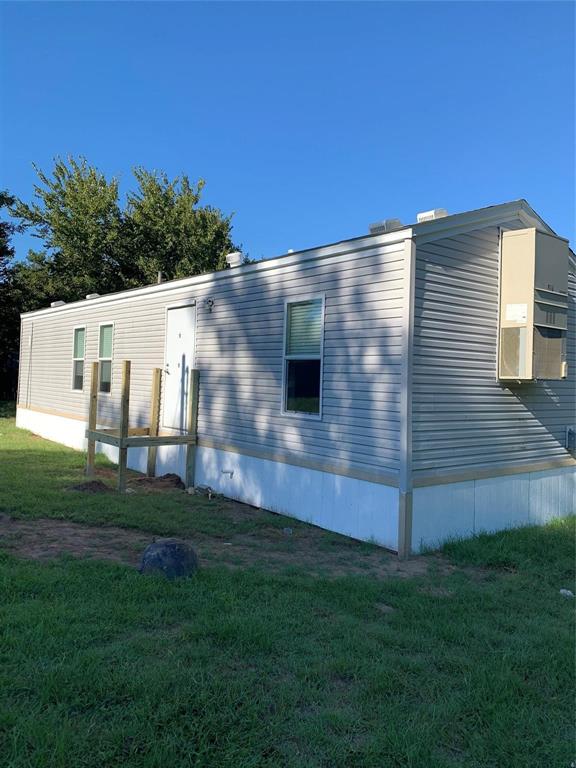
[
  {"x": 353, "y": 245},
  {"x": 421, "y": 233}
]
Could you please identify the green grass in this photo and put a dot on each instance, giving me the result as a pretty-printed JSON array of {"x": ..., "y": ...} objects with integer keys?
[
  {"x": 35, "y": 476},
  {"x": 100, "y": 667}
]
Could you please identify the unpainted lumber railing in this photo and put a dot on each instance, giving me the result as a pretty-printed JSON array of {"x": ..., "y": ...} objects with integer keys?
[{"x": 125, "y": 437}]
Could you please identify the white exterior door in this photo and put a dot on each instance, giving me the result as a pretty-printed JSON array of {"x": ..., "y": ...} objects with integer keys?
[{"x": 180, "y": 324}]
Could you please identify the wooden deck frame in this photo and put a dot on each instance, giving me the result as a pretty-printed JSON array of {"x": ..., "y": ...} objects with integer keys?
[{"x": 124, "y": 437}]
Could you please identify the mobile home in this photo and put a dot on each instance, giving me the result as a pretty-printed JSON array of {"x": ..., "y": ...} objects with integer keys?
[{"x": 405, "y": 386}]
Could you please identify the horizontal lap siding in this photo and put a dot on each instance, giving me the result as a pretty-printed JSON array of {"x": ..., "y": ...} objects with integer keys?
[
  {"x": 463, "y": 418},
  {"x": 239, "y": 351},
  {"x": 239, "y": 346},
  {"x": 138, "y": 336}
]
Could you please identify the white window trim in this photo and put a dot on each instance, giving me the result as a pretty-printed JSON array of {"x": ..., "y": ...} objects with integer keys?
[
  {"x": 106, "y": 359},
  {"x": 285, "y": 357},
  {"x": 77, "y": 359}
]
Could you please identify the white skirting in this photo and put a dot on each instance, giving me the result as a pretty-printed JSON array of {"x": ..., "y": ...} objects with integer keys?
[
  {"x": 356, "y": 508},
  {"x": 460, "y": 510}
]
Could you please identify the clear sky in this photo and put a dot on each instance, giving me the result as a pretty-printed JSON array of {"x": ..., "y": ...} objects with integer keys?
[{"x": 309, "y": 120}]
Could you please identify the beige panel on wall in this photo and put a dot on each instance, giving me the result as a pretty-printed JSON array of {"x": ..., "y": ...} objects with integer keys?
[{"x": 533, "y": 306}]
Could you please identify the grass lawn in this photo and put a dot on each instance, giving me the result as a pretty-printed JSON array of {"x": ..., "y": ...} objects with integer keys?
[{"x": 466, "y": 661}]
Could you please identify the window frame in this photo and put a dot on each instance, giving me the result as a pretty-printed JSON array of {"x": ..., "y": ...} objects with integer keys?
[
  {"x": 105, "y": 359},
  {"x": 285, "y": 357},
  {"x": 78, "y": 359}
]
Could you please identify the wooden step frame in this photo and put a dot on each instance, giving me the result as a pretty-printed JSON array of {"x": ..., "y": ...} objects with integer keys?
[{"x": 124, "y": 437}]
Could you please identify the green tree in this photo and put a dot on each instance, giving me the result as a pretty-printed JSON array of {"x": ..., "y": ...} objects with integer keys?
[
  {"x": 91, "y": 245},
  {"x": 76, "y": 214},
  {"x": 167, "y": 230},
  {"x": 9, "y": 307}
]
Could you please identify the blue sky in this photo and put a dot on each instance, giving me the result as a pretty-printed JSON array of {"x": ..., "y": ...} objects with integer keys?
[{"x": 309, "y": 120}]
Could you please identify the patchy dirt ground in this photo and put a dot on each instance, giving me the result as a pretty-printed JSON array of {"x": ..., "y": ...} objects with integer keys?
[{"x": 270, "y": 549}]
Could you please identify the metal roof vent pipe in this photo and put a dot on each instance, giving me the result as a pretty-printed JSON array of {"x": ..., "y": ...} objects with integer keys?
[
  {"x": 436, "y": 213},
  {"x": 234, "y": 259},
  {"x": 388, "y": 225}
]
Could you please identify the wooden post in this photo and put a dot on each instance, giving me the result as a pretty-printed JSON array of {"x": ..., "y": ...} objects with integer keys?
[
  {"x": 123, "y": 431},
  {"x": 193, "y": 390},
  {"x": 92, "y": 419},
  {"x": 154, "y": 420}
]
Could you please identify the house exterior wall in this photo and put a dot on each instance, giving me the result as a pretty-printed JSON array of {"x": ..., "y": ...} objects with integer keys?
[
  {"x": 465, "y": 422},
  {"x": 411, "y": 448},
  {"x": 239, "y": 352}
]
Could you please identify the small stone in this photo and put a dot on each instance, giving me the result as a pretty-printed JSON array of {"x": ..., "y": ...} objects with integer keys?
[
  {"x": 172, "y": 557},
  {"x": 287, "y": 531},
  {"x": 566, "y": 593}
]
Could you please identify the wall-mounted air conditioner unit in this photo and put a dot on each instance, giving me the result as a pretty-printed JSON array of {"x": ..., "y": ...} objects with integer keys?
[{"x": 533, "y": 306}]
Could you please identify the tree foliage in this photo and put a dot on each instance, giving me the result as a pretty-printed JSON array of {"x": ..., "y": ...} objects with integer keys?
[
  {"x": 76, "y": 214},
  {"x": 9, "y": 308},
  {"x": 90, "y": 243},
  {"x": 167, "y": 230}
]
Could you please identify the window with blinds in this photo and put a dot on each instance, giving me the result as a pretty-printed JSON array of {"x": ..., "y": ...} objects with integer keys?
[
  {"x": 105, "y": 357},
  {"x": 79, "y": 345},
  {"x": 303, "y": 357}
]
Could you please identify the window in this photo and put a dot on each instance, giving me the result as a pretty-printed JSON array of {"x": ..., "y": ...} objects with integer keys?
[
  {"x": 303, "y": 356},
  {"x": 105, "y": 357},
  {"x": 78, "y": 358}
]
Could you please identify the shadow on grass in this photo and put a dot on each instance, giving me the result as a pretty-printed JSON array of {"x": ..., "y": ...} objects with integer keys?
[{"x": 7, "y": 409}]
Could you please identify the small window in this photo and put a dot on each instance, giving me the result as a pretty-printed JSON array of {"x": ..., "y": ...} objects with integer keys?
[
  {"x": 105, "y": 357},
  {"x": 78, "y": 358},
  {"x": 303, "y": 357}
]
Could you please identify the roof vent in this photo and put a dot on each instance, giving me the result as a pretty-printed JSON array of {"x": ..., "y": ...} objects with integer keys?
[
  {"x": 437, "y": 213},
  {"x": 388, "y": 225},
  {"x": 92, "y": 295},
  {"x": 234, "y": 259},
  {"x": 57, "y": 303}
]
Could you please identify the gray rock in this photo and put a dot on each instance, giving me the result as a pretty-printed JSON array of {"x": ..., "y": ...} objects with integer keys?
[
  {"x": 172, "y": 557},
  {"x": 566, "y": 593}
]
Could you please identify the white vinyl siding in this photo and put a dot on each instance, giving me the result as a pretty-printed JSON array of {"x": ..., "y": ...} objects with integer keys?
[
  {"x": 239, "y": 352},
  {"x": 78, "y": 353},
  {"x": 464, "y": 419}
]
